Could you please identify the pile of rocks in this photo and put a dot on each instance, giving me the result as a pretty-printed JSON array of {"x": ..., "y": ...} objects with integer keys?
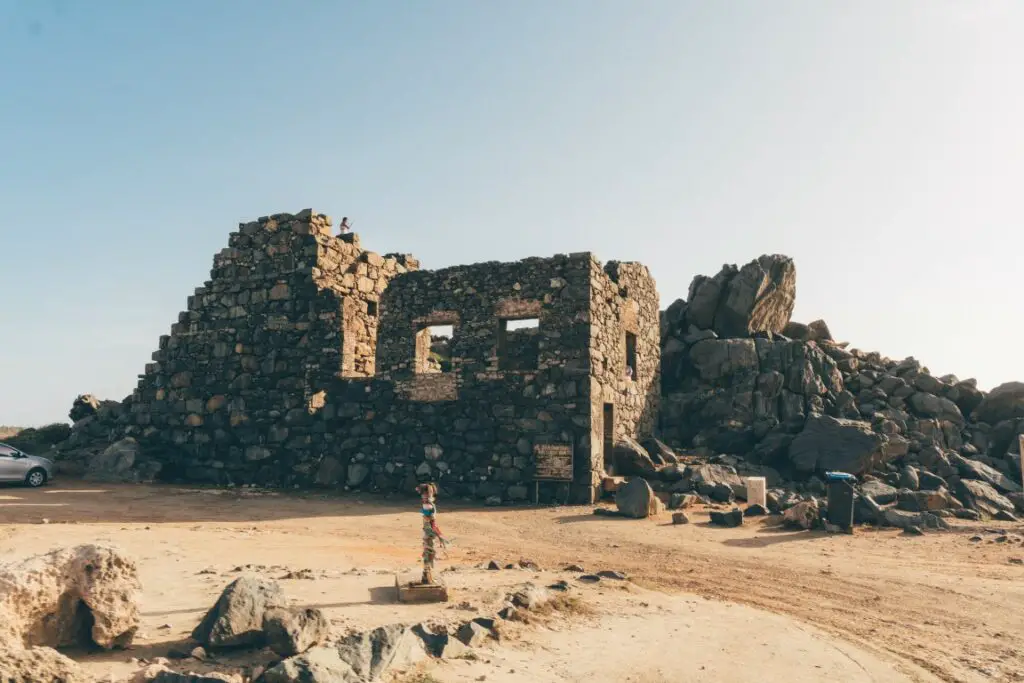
[
  {"x": 253, "y": 613},
  {"x": 95, "y": 446},
  {"x": 739, "y": 378},
  {"x": 87, "y": 596}
]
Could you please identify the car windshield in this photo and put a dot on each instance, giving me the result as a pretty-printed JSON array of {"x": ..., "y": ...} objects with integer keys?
[{"x": 7, "y": 450}]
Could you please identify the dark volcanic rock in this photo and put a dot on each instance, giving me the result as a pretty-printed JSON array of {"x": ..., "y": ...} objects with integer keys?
[
  {"x": 882, "y": 493},
  {"x": 902, "y": 519},
  {"x": 983, "y": 498},
  {"x": 1005, "y": 402},
  {"x": 659, "y": 452},
  {"x": 732, "y": 518},
  {"x": 636, "y": 499},
  {"x": 632, "y": 459},
  {"x": 237, "y": 618},
  {"x": 828, "y": 443},
  {"x": 973, "y": 469}
]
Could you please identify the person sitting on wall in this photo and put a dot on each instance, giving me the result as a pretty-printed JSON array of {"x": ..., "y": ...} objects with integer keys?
[{"x": 345, "y": 227}]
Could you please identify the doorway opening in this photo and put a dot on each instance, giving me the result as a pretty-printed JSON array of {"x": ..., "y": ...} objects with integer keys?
[{"x": 608, "y": 425}]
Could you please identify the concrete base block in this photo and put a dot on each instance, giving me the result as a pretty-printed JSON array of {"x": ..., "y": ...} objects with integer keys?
[
  {"x": 410, "y": 590},
  {"x": 757, "y": 491}
]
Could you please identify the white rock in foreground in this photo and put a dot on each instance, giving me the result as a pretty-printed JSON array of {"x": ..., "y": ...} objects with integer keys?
[{"x": 84, "y": 595}]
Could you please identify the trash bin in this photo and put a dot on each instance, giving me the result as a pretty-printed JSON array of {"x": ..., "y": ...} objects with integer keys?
[{"x": 840, "y": 499}]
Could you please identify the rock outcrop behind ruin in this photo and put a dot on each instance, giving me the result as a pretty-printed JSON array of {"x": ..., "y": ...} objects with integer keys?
[{"x": 809, "y": 404}]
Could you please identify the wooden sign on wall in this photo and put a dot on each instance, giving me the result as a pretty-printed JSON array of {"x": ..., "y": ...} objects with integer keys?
[{"x": 552, "y": 462}]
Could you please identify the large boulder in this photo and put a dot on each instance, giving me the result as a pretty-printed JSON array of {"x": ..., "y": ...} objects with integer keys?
[
  {"x": 659, "y": 452},
  {"x": 636, "y": 499},
  {"x": 829, "y": 443},
  {"x": 901, "y": 519},
  {"x": 115, "y": 462},
  {"x": 759, "y": 297},
  {"x": 632, "y": 459},
  {"x": 38, "y": 665},
  {"x": 1005, "y": 402},
  {"x": 927, "y": 501},
  {"x": 81, "y": 596},
  {"x": 706, "y": 478},
  {"x": 372, "y": 653},
  {"x": 880, "y": 492},
  {"x": 974, "y": 469},
  {"x": 983, "y": 498},
  {"x": 938, "y": 407},
  {"x": 715, "y": 359},
  {"x": 236, "y": 620}
]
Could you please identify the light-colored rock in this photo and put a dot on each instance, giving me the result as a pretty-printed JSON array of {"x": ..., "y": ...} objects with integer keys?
[
  {"x": 530, "y": 596},
  {"x": 738, "y": 302},
  {"x": 49, "y": 599},
  {"x": 373, "y": 653},
  {"x": 84, "y": 406},
  {"x": 38, "y": 665}
]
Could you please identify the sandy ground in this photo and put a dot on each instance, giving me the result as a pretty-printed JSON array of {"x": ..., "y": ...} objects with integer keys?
[{"x": 703, "y": 603}]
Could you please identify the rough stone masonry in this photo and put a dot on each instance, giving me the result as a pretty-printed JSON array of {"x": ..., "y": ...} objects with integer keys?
[{"x": 306, "y": 360}]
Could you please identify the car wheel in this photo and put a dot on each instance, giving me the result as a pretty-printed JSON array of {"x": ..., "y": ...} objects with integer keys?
[{"x": 36, "y": 478}]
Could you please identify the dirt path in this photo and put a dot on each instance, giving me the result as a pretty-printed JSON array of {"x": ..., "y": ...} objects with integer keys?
[{"x": 939, "y": 607}]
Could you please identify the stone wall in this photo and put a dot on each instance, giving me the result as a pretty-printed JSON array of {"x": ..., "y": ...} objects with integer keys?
[
  {"x": 474, "y": 427},
  {"x": 624, "y": 304},
  {"x": 306, "y": 360},
  {"x": 235, "y": 382}
]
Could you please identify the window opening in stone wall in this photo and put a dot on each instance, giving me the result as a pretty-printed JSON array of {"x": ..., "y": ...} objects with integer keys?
[
  {"x": 518, "y": 343},
  {"x": 630, "y": 355},
  {"x": 371, "y": 309},
  {"x": 434, "y": 349}
]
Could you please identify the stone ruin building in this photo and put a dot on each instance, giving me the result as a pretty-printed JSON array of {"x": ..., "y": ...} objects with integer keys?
[{"x": 306, "y": 360}]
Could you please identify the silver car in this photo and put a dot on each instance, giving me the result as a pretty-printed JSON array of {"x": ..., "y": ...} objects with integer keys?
[{"x": 18, "y": 466}]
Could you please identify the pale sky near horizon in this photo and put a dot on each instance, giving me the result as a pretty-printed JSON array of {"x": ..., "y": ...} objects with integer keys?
[{"x": 880, "y": 143}]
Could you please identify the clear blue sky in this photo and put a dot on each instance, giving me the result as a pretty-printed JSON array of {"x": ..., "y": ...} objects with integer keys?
[{"x": 879, "y": 142}]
